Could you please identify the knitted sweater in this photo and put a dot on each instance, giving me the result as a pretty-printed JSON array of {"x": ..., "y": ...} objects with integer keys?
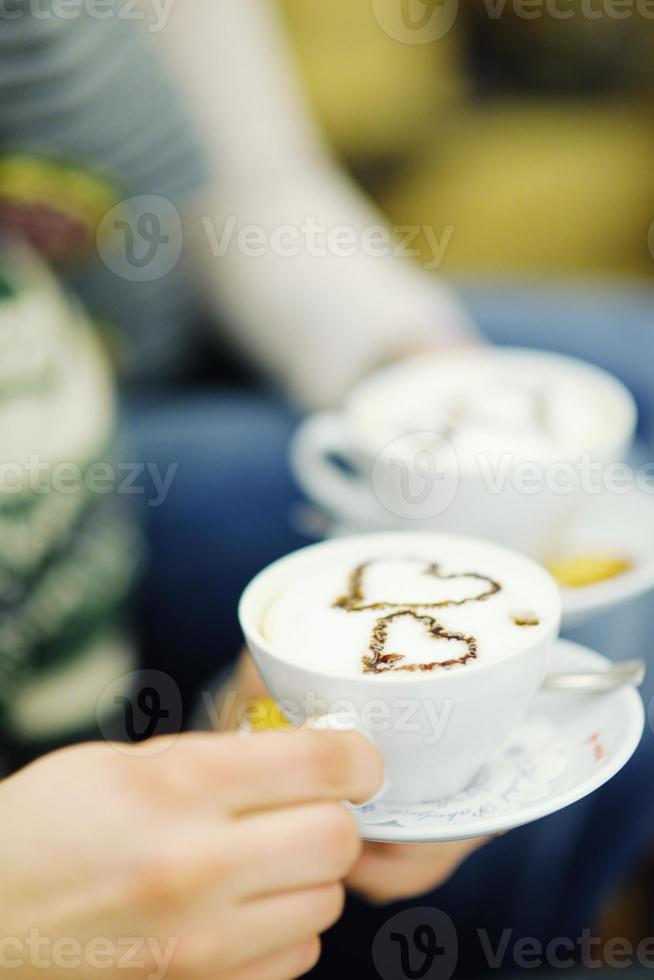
[{"x": 69, "y": 549}]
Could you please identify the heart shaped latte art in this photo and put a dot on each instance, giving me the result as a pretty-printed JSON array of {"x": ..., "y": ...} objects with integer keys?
[
  {"x": 456, "y": 589},
  {"x": 380, "y": 659},
  {"x": 478, "y": 588}
]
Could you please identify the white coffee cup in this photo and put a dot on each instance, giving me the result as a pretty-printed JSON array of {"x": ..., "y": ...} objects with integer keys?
[
  {"x": 435, "y": 729},
  {"x": 520, "y": 498}
]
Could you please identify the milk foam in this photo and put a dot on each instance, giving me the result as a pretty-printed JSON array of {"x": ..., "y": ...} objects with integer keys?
[
  {"x": 504, "y": 402},
  {"x": 328, "y": 617}
]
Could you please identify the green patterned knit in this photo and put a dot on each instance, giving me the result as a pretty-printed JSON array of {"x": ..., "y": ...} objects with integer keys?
[{"x": 68, "y": 556}]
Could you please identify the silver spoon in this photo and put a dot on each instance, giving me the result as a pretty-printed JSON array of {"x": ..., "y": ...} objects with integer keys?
[{"x": 631, "y": 673}]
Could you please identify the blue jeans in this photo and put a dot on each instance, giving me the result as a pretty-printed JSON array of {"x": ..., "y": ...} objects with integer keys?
[{"x": 228, "y": 513}]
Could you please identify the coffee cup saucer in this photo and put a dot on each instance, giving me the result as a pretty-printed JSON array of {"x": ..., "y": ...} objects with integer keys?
[
  {"x": 612, "y": 524},
  {"x": 568, "y": 746}
]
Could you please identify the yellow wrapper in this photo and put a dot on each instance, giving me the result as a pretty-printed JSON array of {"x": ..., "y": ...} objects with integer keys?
[
  {"x": 575, "y": 572},
  {"x": 265, "y": 715}
]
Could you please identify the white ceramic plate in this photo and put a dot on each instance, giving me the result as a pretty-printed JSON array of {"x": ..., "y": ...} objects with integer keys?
[{"x": 568, "y": 746}]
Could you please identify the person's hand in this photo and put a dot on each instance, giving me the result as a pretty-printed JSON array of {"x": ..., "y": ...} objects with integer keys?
[
  {"x": 388, "y": 873},
  {"x": 221, "y": 855},
  {"x": 384, "y": 873}
]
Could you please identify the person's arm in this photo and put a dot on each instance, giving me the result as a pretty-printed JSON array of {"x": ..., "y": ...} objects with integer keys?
[{"x": 310, "y": 318}]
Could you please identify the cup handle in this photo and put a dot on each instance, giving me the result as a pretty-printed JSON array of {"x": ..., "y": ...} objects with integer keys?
[
  {"x": 319, "y": 438},
  {"x": 347, "y": 723}
]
